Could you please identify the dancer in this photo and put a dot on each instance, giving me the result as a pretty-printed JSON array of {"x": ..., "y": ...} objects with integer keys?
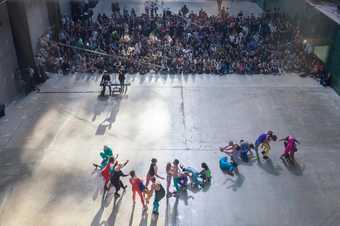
[
  {"x": 115, "y": 178},
  {"x": 232, "y": 150},
  {"x": 290, "y": 148},
  {"x": 106, "y": 154},
  {"x": 159, "y": 191},
  {"x": 168, "y": 177},
  {"x": 175, "y": 172},
  {"x": 193, "y": 174},
  {"x": 137, "y": 187},
  {"x": 265, "y": 146},
  {"x": 261, "y": 138},
  {"x": 148, "y": 194},
  {"x": 106, "y": 172},
  {"x": 152, "y": 172},
  {"x": 245, "y": 150},
  {"x": 229, "y": 166},
  {"x": 205, "y": 174},
  {"x": 182, "y": 181}
]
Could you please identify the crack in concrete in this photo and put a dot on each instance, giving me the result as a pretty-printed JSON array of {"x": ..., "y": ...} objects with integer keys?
[{"x": 183, "y": 118}]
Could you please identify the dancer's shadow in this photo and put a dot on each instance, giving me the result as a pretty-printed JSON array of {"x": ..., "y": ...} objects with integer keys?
[
  {"x": 295, "y": 168},
  {"x": 144, "y": 219},
  {"x": 154, "y": 220},
  {"x": 99, "y": 187},
  {"x": 183, "y": 195},
  {"x": 174, "y": 214},
  {"x": 97, "y": 218},
  {"x": 269, "y": 167},
  {"x": 250, "y": 162},
  {"x": 206, "y": 187},
  {"x": 236, "y": 183},
  {"x": 111, "y": 220},
  {"x": 196, "y": 189},
  {"x": 173, "y": 219},
  {"x": 167, "y": 212},
  {"x": 131, "y": 215}
]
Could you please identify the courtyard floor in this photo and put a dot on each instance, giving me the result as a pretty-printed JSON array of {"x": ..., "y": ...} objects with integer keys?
[{"x": 49, "y": 140}]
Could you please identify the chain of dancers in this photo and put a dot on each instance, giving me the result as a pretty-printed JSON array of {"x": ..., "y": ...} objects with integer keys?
[{"x": 179, "y": 177}]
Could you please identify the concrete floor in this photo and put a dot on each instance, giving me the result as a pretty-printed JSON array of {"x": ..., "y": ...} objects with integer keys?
[{"x": 48, "y": 142}]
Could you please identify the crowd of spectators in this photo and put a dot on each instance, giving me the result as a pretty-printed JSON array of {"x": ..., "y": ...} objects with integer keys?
[{"x": 183, "y": 42}]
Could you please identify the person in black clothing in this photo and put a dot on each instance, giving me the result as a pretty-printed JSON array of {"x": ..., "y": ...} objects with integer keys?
[
  {"x": 121, "y": 78},
  {"x": 116, "y": 181},
  {"x": 184, "y": 10},
  {"x": 106, "y": 80},
  {"x": 325, "y": 78}
]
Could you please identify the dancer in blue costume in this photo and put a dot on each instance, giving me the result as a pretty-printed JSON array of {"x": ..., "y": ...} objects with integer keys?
[
  {"x": 228, "y": 164},
  {"x": 193, "y": 174},
  {"x": 246, "y": 150}
]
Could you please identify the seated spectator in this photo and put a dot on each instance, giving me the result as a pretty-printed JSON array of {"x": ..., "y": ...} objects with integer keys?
[{"x": 325, "y": 79}]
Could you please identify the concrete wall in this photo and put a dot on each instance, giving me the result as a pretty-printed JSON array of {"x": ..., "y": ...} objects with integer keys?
[
  {"x": 64, "y": 6},
  {"x": 37, "y": 19},
  {"x": 8, "y": 60},
  {"x": 291, "y": 7},
  {"x": 23, "y": 23}
]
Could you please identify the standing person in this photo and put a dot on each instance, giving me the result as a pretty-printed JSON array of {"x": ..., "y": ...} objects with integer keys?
[
  {"x": 121, "y": 78},
  {"x": 168, "y": 177},
  {"x": 266, "y": 146},
  {"x": 219, "y": 6},
  {"x": 159, "y": 191},
  {"x": 115, "y": 178},
  {"x": 261, "y": 138},
  {"x": 147, "y": 7},
  {"x": 245, "y": 149},
  {"x": 289, "y": 147},
  {"x": 232, "y": 149},
  {"x": 106, "y": 172},
  {"x": 152, "y": 172},
  {"x": 137, "y": 187},
  {"x": 175, "y": 172},
  {"x": 105, "y": 82},
  {"x": 205, "y": 173}
]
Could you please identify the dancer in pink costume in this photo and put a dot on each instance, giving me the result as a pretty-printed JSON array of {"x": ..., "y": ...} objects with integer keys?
[{"x": 290, "y": 147}]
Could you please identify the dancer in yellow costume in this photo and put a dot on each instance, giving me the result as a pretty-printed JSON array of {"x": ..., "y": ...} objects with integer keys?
[{"x": 265, "y": 146}]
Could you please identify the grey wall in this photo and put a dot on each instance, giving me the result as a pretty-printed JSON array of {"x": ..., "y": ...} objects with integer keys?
[
  {"x": 65, "y": 8},
  {"x": 23, "y": 24},
  {"x": 8, "y": 61},
  {"x": 291, "y": 7},
  {"x": 37, "y": 19}
]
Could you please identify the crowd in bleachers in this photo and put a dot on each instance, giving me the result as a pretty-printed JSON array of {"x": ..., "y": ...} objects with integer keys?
[{"x": 175, "y": 43}]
